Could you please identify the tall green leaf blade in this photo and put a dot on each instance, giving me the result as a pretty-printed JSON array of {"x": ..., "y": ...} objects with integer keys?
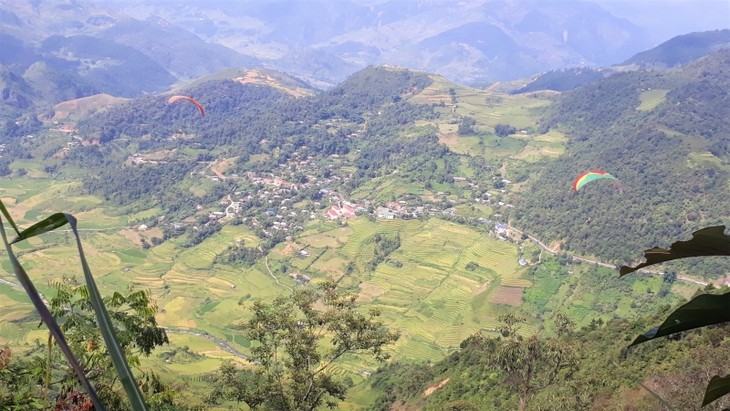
[
  {"x": 708, "y": 241},
  {"x": 701, "y": 311},
  {"x": 107, "y": 330},
  {"x": 46, "y": 316},
  {"x": 5, "y": 212},
  {"x": 48, "y": 224},
  {"x": 718, "y": 387}
]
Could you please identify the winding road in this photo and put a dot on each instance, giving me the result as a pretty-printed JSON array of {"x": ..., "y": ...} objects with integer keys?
[
  {"x": 601, "y": 263},
  {"x": 221, "y": 343}
]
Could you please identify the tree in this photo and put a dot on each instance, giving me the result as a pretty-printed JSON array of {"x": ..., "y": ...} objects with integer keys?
[
  {"x": 17, "y": 391},
  {"x": 530, "y": 364},
  {"x": 466, "y": 126},
  {"x": 137, "y": 333},
  {"x": 503, "y": 130},
  {"x": 291, "y": 365}
]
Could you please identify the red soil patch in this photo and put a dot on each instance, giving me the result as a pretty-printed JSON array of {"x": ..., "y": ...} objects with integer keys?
[
  {"x": 507, "y": 295},
  {"x": 430, "y": 390}
]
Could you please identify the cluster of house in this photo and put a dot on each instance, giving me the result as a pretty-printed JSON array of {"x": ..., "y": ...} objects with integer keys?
[
  {"x": 275, "y": 193},
  {"x": 343, "y": 209},
  {"x": 70, "y": 145},
  {"x": 300, "y": 278}
]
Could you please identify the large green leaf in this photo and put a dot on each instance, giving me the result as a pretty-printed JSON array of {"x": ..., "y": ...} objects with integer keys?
[
  {"x": 48, "y": 224},
  {"x": 705, "y": 242},
  {"x": 102, "y": 316},
  {"x": 717, "y": 387},
  {"x": 45, "y": 314},
  {"x": 701, "y": 311},
  {"x": 107, "y": 329}
]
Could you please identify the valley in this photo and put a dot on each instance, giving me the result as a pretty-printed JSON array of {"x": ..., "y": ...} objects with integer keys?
[{"x": 402, "y": 201}]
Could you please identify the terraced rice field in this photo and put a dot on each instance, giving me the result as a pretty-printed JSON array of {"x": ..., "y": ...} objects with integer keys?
[
  {"x": 429, "y": 298},
  {"x": 498, "y": 256}
]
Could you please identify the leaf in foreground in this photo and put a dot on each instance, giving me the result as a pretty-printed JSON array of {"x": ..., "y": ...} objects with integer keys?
[
  {"x": 717, "y": 387},
  {"x": 709, "y": 241},
  {"x": 701, "y": 311},
  {"x": 45, "y": 314},
  {"x": 106, "y": 327}
]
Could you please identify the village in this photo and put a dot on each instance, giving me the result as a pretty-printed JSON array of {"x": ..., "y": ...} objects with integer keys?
[{"x": 279, "y": 204}]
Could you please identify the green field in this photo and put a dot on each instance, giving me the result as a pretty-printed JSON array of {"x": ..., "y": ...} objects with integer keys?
[
  {"x": 444, "y": 283},
  {"x": 429, "y": 298},
  {"x": 651, "y": 98}
]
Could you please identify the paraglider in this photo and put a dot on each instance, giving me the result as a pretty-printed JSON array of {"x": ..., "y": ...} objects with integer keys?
[
  {"x": 190, "y": 99},
  {"x": 592, "y": 175}
]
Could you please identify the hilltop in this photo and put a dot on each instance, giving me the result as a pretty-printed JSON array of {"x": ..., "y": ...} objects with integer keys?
[{"x": 682, "y": 49}]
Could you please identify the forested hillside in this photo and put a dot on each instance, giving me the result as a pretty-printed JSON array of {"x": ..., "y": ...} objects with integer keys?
[
  {"x": 635, "y": 125},
  {"x": 663, "y": 134},
  {"x": 682, "y": 49},
  {"x": 601, "y": 373}
]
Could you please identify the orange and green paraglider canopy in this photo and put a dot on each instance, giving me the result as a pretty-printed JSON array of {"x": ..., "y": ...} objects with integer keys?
[
  {"x": 592, "y": 175},
  {"x": 190, "y": 99}
]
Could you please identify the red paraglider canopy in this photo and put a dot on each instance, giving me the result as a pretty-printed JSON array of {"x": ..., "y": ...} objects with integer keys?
[
  {"x": 592, "y": 175},
  {"x": 190, "y": 99}
]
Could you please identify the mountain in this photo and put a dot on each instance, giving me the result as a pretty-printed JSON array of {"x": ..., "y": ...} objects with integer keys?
[
  {"x": 663, "y": 134},
  {"x": 324, "y": 41},
  {"x": 678, "y": 50},
  {"x": 182, "y": 53},
  {"x": 17, "y": 103},
  {"x": 106, "y": 50},
  {"x": 15, "y": 92},
  {"x": 109, "y": 66},
  {"x": 401, "y": 186},
  {"x": 654, "y": 130},
  {"x": 482, "y": 41},
  {"x": 564, "y": 80},
  {"x": 682, "y": 49}
]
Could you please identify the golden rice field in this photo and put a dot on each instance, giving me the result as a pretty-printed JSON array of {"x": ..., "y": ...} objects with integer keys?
[{"x": 431, "y": 298}]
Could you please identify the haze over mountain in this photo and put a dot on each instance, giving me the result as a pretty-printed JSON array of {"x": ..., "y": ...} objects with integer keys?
[
  {"x": 444, "y": 208},
  {"x": 324, "y": 41},
  {"x": 664, "y": 19}
]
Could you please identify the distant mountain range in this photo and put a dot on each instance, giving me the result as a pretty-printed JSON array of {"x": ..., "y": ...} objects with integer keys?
[
  {"x": 57, "y": 50},
  {"x": 682, "y": 49},
  {"x": 321, "y": 41}
]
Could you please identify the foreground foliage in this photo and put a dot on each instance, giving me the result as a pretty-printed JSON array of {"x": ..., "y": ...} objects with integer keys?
[
  {"x": 701, "y": 311},
  {"x": 79, "y": 319},
  {"x": 594, "y": 367},
  {"x": 291, "y": 364}
]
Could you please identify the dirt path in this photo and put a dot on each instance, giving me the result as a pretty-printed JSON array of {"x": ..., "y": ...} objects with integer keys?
[
  {"x": 266, "y": 263},
  {"x": 430, "y": 390}
]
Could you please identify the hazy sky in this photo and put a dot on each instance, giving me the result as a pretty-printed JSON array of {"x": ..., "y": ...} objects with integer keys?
[{"x": 668, "y": 18}]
